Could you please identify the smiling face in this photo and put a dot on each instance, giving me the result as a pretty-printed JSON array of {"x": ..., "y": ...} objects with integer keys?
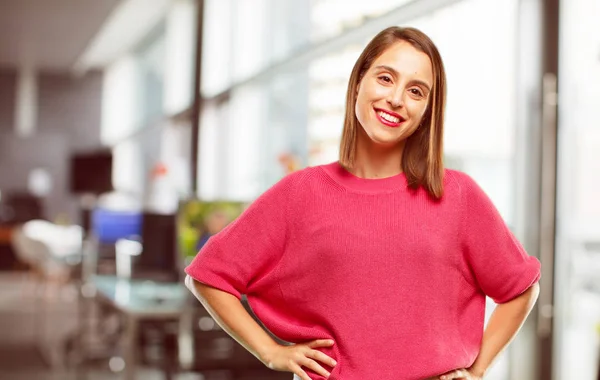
[{"x": 393, "y": 95}]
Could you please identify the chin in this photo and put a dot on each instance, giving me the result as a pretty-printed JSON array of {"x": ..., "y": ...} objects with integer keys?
[
  {"x": 389, "y": 143},
  {"x": 390, "y": 139},
  {"x": 386, "y": 141},
  {"x": 385, "y": 136}
]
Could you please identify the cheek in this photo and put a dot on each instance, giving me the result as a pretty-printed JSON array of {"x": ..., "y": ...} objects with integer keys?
[
  {"x": 361, "y": 111},
  {"x": 361, "y": 108},
  {"x": 368, "y": 94},
  {"x": 419, "y": 110}
]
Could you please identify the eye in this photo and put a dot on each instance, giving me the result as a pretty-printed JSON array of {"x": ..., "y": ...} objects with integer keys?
[
  {"x": 416, "y": 91},
  {"x": 385, "y": 78}
]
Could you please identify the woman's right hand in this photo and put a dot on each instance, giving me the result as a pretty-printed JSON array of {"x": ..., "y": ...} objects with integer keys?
[{"x": 293, "y": 358}]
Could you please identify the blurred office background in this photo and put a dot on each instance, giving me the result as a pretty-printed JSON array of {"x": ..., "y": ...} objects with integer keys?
[{"x": 127, "y": 127}]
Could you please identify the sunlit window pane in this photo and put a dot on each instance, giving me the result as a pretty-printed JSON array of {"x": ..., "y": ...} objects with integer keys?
[
  {"x": 217, "y": 46},
  {"x": 577, "y": 266}
]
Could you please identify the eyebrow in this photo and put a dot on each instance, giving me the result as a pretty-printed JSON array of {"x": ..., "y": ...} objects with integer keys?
[{"x": 397, "y": 74}]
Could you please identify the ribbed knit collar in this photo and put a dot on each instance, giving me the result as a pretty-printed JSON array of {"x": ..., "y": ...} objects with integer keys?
[{"x": 368, "y": 185}]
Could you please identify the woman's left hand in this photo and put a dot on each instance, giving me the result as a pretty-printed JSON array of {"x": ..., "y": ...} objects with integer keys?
[{"x": 463, "y": 374}]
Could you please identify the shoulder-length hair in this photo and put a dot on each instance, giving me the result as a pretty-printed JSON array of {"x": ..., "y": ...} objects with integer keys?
[{"x": 422, "y": 159}]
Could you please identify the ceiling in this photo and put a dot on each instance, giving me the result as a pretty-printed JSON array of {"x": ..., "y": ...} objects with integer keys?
[{"x": 49, "y": 34}]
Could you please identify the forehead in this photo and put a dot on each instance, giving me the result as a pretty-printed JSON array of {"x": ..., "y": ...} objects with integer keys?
[{"x": 407, "y": 60}]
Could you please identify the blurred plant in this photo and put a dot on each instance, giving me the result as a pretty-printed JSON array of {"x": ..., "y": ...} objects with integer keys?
[{"x": 198, "y": 220}]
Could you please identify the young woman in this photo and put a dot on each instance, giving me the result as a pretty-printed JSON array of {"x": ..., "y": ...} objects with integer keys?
[{"x": 376, "y": 266}]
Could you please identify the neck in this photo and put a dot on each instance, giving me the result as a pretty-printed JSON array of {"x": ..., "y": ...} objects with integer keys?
[{"x": 375, "y": 161}]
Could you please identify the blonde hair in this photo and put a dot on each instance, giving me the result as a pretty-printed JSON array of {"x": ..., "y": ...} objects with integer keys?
[{"x": 422, "y": 159}]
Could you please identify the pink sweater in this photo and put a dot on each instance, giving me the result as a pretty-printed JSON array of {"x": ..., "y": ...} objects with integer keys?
[{"x": 397, "y": 280}]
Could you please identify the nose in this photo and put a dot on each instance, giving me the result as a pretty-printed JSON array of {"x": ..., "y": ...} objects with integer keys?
[{"x": 396, "y": 97}]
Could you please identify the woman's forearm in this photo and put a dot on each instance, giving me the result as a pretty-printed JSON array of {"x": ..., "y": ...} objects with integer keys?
[
  {"x": 229, "y": 313},
  {"x": 505, "y": 322}
]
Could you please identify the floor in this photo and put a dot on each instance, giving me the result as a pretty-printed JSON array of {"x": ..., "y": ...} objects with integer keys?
[{"x": 21, "y": 328}]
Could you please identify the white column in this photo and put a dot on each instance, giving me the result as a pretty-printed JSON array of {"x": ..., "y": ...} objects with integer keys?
[{"x": 26, "y": 106}]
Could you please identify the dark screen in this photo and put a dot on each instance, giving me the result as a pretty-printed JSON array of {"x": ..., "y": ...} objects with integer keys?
[
  {"x": 91, "y": 173},
  {"x": 159, "y": 243}
]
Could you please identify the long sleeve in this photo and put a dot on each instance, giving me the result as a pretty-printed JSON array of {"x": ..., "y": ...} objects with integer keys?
[
  {"x": 250, "y": 247},
  {"x": 501, "y": 267}
]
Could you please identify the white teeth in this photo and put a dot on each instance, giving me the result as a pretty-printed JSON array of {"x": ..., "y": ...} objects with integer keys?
[{"x": 388, "y": 117}]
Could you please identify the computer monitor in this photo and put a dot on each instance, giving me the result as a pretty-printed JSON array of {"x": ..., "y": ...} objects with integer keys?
[
  {"x": 91, "y": 172},
  {"x": 159, "y": 259}
]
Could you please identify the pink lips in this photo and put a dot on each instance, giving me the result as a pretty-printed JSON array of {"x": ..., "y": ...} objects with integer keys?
[{"x": 387, "y": 122}]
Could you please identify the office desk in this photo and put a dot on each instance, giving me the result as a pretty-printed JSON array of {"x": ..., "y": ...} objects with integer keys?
[{"x": 139, "y": 300}]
